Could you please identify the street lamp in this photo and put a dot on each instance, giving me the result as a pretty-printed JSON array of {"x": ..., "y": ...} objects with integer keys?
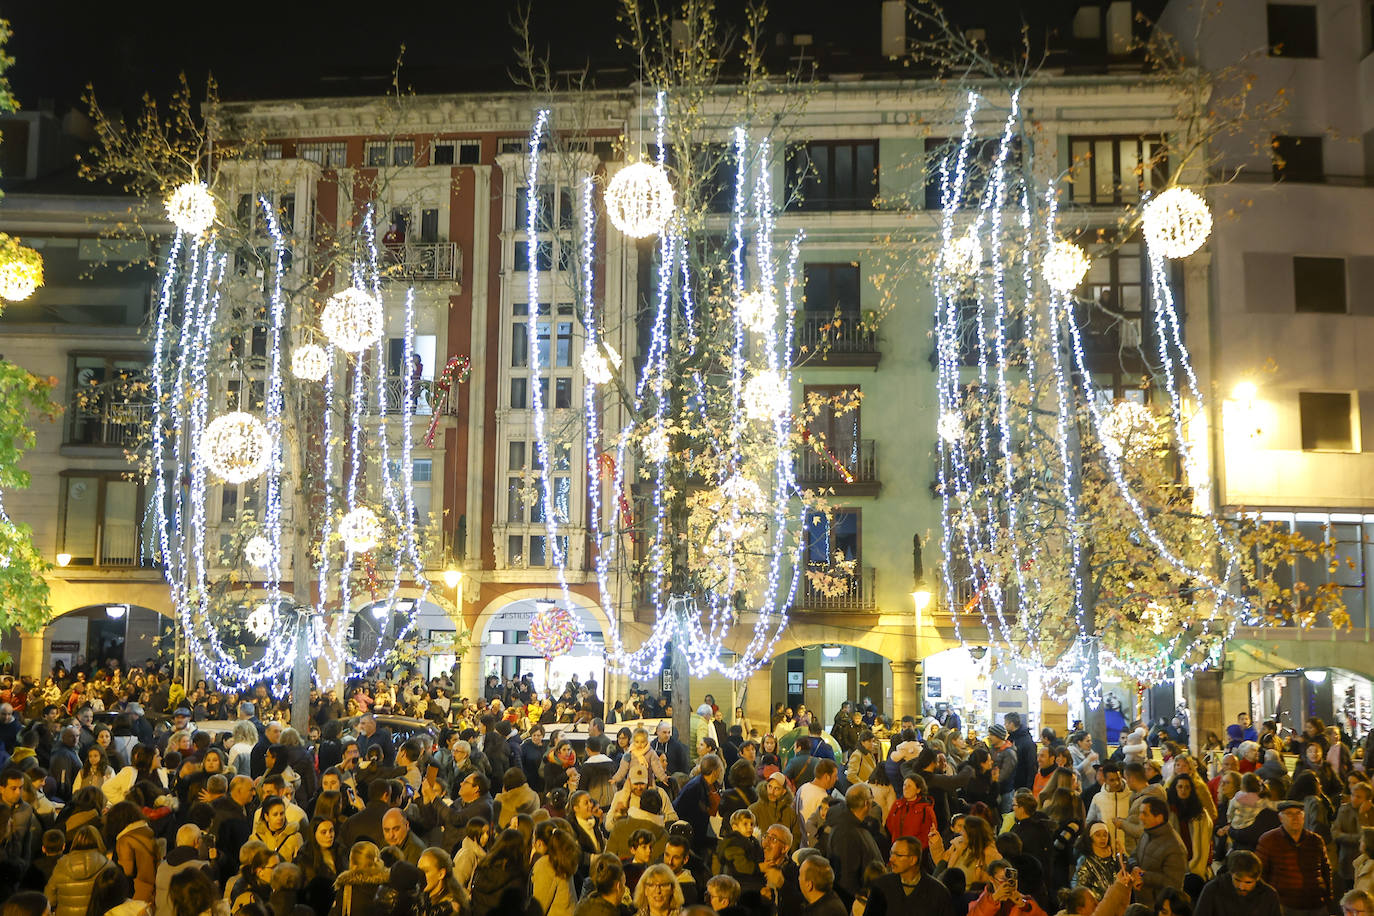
[{"x": 63, "y": 559}]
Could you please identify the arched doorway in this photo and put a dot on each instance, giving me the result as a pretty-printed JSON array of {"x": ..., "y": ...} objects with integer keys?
[
  {"x": 822, "y": 677},
  {"x": 505, "y": 650},
  {"x": 381, "y": 621},
  {"x": 100, "y": 634}
]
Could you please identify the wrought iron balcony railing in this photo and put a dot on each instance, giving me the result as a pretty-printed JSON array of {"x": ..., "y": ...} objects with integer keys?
[
  {"x": 842, "y": 464},
  {"x": 422, "y": 261},
  {"x": 425, "y": 397},
  {"x": 857, "y": 593},
  {"x": 110, "y": 423},
  {"x": 835, "y": 338}
]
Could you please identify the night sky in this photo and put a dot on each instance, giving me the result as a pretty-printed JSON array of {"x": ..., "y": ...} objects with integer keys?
[{"x": 302, "y": 48}]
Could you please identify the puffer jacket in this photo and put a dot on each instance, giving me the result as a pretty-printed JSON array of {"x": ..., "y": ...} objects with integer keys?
[
  {"x": 136, "y": 853},
  {"x": 499, "y": 890},
  {"x": 73, "y": 879},
  {"x": 356, "y": 891}
]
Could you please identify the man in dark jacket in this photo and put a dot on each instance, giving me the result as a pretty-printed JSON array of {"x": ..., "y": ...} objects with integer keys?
[
  {"x": 383, "y": 795},
  {"x": 850, "y": 847},
  {"x": 698, "y": 801},
  {"x": 232, "y": 824},
  {"x": 1239, "y": 891},
  {"x": 672, "y": 751},
  {"x": 1161, "y": 861},
  {"x": 904, "y": 891},
  {"x": 369, "y": 736},
  {"x": 65, "y": 763},
  {"x": 1020, "y": 737},
  {"x": 817, "y": 881}
]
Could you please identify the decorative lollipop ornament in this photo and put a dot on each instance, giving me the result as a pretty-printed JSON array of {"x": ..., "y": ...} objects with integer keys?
[
  {"x": 191, "y": 208},
  {"x": 236, "y": 447},
  {"x": 553, "y": 631},
  {"x": 639, "y": 199}
]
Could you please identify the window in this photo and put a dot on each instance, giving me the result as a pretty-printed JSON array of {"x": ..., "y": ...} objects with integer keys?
[
  {"x": 1297, "y": 158},
  {"x": 443, "y": 154},
  {"x": 100, "y": 522},
  {"x": 328, "y": 155},
  {"x": 831, "y": 538},
  {"x": 403, "y": 153},
  {"x": 1114, "y": 170},
  {"x": 831, "y": 287},
  {"x": 375, "y": 155},
  {"x": 1326, "y": 421},
  {"x": 1351, "y": 533},
  {"x": 469, "y": 152},
  {"x": 833, "y": 174},
  {"x": 422, "y": 480},
  {"x": 543, "y": 255},
  {"x": 1116, "y": 282},
  {"x": 1319, "y": 285},
  {"x": 1292, "y": 30},
  {"x": 532, "y": 549},
  {"x": 981, "y": 161},
  {"x": 109, "y": 400},
  {"x": 429, "y": 225}
]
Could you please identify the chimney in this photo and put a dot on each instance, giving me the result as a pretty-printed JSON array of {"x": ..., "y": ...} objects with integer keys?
[{"x": 894, "y": 28}]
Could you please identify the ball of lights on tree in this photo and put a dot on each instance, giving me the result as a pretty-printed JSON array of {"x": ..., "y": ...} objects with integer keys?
[
  {"x": 1177, "y": 222},
  {"x": 1126, "y": 426},
  {"x": 1065, "y": 266},
  {"x": 21, "y": 270},
  {"x": 757, "y": 310},
  {"x": 654, "y": 445},
  {"x": 260, "y": 622},
  {"x": 553, "y": 631},
  {"x": 236, "y": 447},
  {"x": 950, "y": 426},
  {"x": 191, "y": 208},
  {"x": 257, "y": 551},
  {"x": 309, "y": 362},
  {"x": 639, "y": 199},
  {"x": 352, "y": 319},
  {"x": 743, "y": 503},
  {"x": 360, "y": 530},
  {"x": 595, "y": 366},
  {"x": 964, "y": 256},
  {"x": 765, "y": 395}
]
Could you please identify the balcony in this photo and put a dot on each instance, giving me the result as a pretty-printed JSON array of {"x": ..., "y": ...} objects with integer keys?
[
  {"x": 835, "y": 339},
  {"x": 857, "y": 595},
  {"x": 851, "y": 466},
  {"x": 104, "y": 423},
  {"x": 422, "y": 261},
  {"x": 425, "y": 398}
]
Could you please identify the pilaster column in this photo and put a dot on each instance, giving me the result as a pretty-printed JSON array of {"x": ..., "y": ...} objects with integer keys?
[
  {"x": 470, "y": 673},
  {"x": 906, "y": 694},
  {"x": 31, "y": 654},
  {"x": 758, "y": 695}
]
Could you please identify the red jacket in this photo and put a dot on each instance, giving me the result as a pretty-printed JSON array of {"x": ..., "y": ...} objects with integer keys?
[
  {"x": 986, "y": 906},
  {"x": 911, "y": 818}
]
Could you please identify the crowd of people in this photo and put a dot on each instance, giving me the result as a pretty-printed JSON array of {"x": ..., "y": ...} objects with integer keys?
[{"x": 117, "y": 796}]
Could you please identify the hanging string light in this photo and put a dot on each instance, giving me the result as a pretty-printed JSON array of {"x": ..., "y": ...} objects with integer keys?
[
  {"x": 191, "y": 208},
  {"x": 639, "y": 199},
  {"x": 964, "y": 256},
  {"x": 309, "y": 362},
  {"x": 236, "y": 447},
  {"x": 21, "y": 269},
  {"x": 260, "y": 621},
  {"x": 352, "y": 319},
  {"x": 1177, "y": 222}
]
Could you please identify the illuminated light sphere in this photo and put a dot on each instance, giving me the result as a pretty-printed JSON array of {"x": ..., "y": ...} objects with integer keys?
[
  {"x": 352, "y": 319},
  {"x": 950, "y": 426},
  {"x": 553, "y": 631},
  {"x": 743, "y": 501},
  {"x": 654, "y": 445},
  {"x": 260, "y": 622},
  {"x": 765, "y": 395},
  {"x": 1128, "y": 426},
  {"x": 360, "y": 530},
  {"x": 757, "y": 310},
  {"x": 236, "y": 447},
  {"x": 964, "y": 256},
  {"x": 596, "y": 367},
  {"x": 1177, "y": 222},
  {"x": 21, "y": 270},
  {"x": 191, "y": 208},
  {"x": 258, "y": 551},
  {"x": 639, "y": 199},
  {"x": 1065, "y": 266},
  {"x": 309, "y": 362}
]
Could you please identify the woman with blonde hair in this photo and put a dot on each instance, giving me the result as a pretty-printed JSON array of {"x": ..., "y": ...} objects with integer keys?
[
  {"x": 658, "y": 893},
  {"x": 552, "y": 875},
  {"x": 442, "y": 894},
  {"x": 355, "y": 890}
]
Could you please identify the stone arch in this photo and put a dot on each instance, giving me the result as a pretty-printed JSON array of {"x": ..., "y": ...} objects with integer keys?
[{"x": 472, "y": 680}]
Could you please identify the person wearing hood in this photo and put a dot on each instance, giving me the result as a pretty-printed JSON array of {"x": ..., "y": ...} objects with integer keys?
[
  {"x": 73, "y": 878},
  {"x": 631, "y": 797},
  {"x": 1134, "y": 749},
  {"x": 776, "y": 805},
  {"x": 1239, "y": 890},
  {"x": 186, "y": 854},
  {"x": 515, "y": 797},
  {"x": 357, "y": 887},
  {"x": 275, "y": 831}
]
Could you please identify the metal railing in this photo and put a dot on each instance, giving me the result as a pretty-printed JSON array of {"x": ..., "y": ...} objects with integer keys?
[
  {"x": 822, "y": 335},
  {"x": 108, "y": 423},
  {"x": 422, "y": 261},
  {"x": 423, "y": 393},
  {"x": 855, "y": 461},
  {"x": 857, "y": 594}
]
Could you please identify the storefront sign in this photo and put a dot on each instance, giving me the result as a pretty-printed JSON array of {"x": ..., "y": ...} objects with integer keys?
[
  {"x": 794, "y": 677},
  {"x": 813, "y": 683},
  {"x": 933, "y": 687}
]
